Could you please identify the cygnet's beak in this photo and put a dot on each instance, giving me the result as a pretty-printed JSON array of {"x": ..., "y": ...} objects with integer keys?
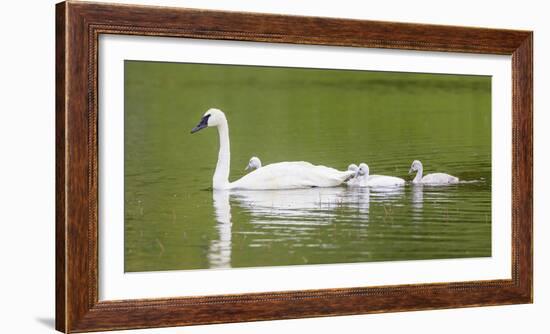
[
  {"x": 202, "y": 124},
  {"x": 411, "y": 170},
  {"x": 248, "y": 167}
]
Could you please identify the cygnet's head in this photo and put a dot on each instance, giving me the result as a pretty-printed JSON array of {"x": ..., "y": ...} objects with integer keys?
[
  {"x": 211, "y": 118},
  {"x": 363, "y": 169},
  {"x": 253, "y": 164},
  {"x": 353, "y": 168},
  {"x": 415, "y": 167}
]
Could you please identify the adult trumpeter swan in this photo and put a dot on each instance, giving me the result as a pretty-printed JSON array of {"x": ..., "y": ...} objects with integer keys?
[
  {"x": 435, "y": 178},
  {"x": 281, "y": 175},
  {"x": 365, "y": 180},
  {"x": 253, "y": 164}
]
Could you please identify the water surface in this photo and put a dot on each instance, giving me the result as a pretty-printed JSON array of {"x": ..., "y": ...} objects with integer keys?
[{"x": 174, "y": 220}]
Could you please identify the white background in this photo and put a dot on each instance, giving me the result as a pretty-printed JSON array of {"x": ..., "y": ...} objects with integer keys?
[
  {"x": 27, "y": 166},
  {"x": 114, "y": 284}
]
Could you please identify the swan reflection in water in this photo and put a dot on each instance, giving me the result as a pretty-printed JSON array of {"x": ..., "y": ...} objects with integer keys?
[
  {"x": 299, "y": 210},
  {"x": 417, "y": 201},
  {"x": 300, "y": 204},
  {"x": 219, "y": 255}
]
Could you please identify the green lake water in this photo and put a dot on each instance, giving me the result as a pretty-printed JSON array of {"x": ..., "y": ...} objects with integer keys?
[{"x": 175, "y": 221}]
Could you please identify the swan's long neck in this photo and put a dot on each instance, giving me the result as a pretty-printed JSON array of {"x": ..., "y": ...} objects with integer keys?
[
  {"x": 418, "y": 176},
  {"x": 221, "y": 175}
]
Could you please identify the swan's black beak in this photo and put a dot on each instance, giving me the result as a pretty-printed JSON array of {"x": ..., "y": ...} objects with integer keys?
[{"x": 202, "y": 124}]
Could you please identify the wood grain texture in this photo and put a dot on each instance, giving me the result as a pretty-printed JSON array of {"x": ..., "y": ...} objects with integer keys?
[
  {"x": 522, "y": 166},
  {"x": 78, "y": 28},
  {"x": 60, "y": 181}
]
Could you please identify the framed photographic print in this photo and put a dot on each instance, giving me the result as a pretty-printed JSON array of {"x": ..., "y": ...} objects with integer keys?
[{"x": 222, "y": 166}]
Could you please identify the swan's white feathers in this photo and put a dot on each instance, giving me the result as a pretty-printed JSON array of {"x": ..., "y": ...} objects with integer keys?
[
  {"x": 384, "y": 181},
  {"x": 365, "y": 180},
  {"x": 292, "y": 175},
  {"x": 439, "y": 178},
  {"x": 430, "y": 179}
]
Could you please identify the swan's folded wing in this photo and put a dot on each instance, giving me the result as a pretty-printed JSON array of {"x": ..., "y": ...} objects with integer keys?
[
  {"x": 439, "y": 178},
  {"x": 292, "y": 175},
  {"x": 385, "y": 181},
  {"x": 329, "y": 177}
]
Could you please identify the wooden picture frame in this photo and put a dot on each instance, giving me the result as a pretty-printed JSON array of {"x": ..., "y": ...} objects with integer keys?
[{"x": 78, "y": 26}]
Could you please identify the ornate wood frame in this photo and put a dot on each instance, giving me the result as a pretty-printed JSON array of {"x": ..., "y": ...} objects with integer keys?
[{"x": 78, "y": 25}]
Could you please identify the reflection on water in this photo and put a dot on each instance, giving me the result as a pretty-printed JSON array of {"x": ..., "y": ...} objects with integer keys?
[
  {"x": 219, "y": 255},
  {"x": 297, "y": 204},
  {"x": 417, "y": 201},
  {"x": 299, "y": 218}
]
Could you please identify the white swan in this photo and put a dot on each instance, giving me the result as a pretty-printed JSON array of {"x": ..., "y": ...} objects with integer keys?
[
  {"x": 253, "y": 164},
  {"x": 365, "y": 180},
  {"x": 434, "y": 179},
  {"x": 281, "y": 175},
  {"x": 357, "y": 180},
  {"x": 379, "y": 180}
]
